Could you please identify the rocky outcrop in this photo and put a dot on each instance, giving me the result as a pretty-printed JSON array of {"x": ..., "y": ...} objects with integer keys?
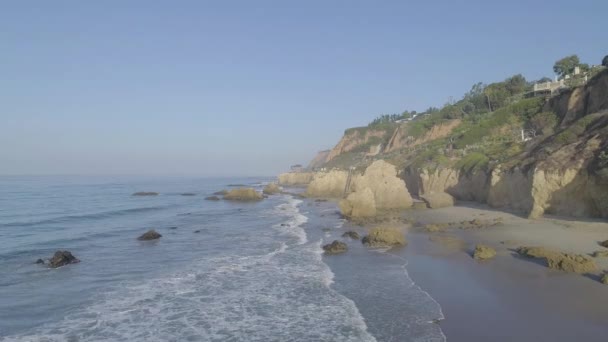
[
  {"x": 604, "y": 243},
  {"x": 295, "y": 178},
  {"x": 378, "y": 188},
  {"x": 436, "y": 200},
  {"x": 560, "y": 261},
  {"x": 62, "y": 258},
  {"x": 335, "y": 247},
  {"x": 359, "y": 204},
  {"x": 483, "y": 252},
  {"x": 145, "y": 193},
  {"x": 352, "y": 235},
  {"x": 243, "y": 195},
  {"x": 600, "y": 254},
  {"x": 220, "y": 193},
  {"x": 327, "y": 184},
  {"x": 149, "y": 235},
  {"x": 385, "y": 237},
  {"x": 188, "y": 194},
  {"x": 271, "y": 189}
]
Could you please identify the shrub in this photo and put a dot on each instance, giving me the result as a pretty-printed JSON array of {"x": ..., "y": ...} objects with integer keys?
[{"x": 473, "y": 161}]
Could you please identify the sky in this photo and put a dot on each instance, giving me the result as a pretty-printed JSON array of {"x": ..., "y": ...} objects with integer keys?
[{"x": 232, "y": 88}]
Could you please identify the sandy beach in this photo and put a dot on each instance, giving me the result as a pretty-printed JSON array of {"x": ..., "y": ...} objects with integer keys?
[{"x": 508, "y": 297}]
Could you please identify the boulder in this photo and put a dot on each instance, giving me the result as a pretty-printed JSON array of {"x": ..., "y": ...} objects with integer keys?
[
  {"x": 149, "y": 235},
  {"x": 39, "y": 261},
  {"x": 220, "y": 193},
  {"x": 385, "y": 237},
  {"x": 243, "y": 194},
  {"x": 419, "y": 205},
  {"x": 212, "y": 198},
  {"x": 197, "y": 231},
  {"x": 271, "y": 189},
  {"x": 352, "y": 235},
  {"x": 335, "y": 247},
  {"x": 62, "y": 258},
  {"x": 604, "y": 279},
  {"x": 359, "y": 204},
  {"x": 600, "y": 254},
  {"x": 188, "y": 194},
  {"x": 389, "y": 190},
  {"x": 560, "y": 261},
  {"x": 604, "y": 243},
  {"x": 437, "y": 200},
  {"x": 145, "y": 193},
  {"x": 483, "y": 252}
]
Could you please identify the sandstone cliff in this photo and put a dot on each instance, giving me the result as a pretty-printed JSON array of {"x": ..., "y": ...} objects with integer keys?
[
  {"x": 358, "y": 139},
  {"x": 295, "y": 178},
  {"x": 402, "y": 137},
  {"x": 319, "y": 160},
  {"x": 327, "y": 184}
]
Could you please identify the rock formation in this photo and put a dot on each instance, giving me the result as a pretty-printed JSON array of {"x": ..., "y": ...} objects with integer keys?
[
  {"x": 62, "y": 258},
  {"x": 351, "y": 234},
  {"x": 188, "y": 194},
  {"x": 145, "y": 193},
  {"x": 220, "y": 193},
  {"x": 149, "y": 235},
  {"x": 243, "y": 194},
  {"x": 483, "y": 252},
  {"x": 335, "y": 247},
  {"x": 560, "y": 261},
  {"x": 271, "y": 189},
  {"x": 389, "y": 190},
  {"x": 384, "y": 237},
  {"x": 295, "y": 178},
  {"x": 327, "y": 184},
  {"x": 435, "y": 200},
  {"x": 359, "y": 204}
]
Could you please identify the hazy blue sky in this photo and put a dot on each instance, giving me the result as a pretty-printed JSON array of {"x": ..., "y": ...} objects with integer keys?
[{"x": 250, "y": 87}]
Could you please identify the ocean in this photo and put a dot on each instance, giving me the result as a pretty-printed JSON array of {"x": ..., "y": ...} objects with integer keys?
[{"x": 223, "y": 271}]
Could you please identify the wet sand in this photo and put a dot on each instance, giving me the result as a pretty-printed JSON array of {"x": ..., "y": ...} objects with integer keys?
[{"x": 508, "y": 298}]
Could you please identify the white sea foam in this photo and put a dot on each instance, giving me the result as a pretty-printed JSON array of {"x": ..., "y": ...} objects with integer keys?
[{"x": 282, "y": 295}]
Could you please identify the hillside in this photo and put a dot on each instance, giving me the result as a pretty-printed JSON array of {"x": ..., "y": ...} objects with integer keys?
[{"x": 535, "y": 155}]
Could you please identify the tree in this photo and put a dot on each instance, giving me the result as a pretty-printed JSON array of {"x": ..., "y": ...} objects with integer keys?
[
  {"x": 566, "y": 65},
  {"x": 605, "y": 61}
]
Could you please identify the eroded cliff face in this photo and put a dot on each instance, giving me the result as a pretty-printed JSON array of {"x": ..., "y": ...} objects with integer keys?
[
  {"x": 318, "y": 160},
  {"x": 354, "y": 139},
  {"x": 295, "y": 178},
  {"x": 401, "y": 138}
]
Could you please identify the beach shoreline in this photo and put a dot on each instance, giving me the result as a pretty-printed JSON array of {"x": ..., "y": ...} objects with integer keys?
[{"x": 508, "y": 297}]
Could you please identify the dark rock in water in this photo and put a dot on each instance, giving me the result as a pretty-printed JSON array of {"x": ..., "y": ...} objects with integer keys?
[
  {"x": 144, "y": 193},
  {"x": 62, "y": 258},
  {"x": 149, "y": 235},
  {"x": 221, "y": 193},
  {"x": 173, "y": 227},
  {"x": 604, "y": 243},
  {"x": 197, "y": 231},
  {"x": 237, "y": 185},
  {"x": 212, "y": 198},
  {"x": 325, "y": 229},
  {"x": 335, "y": 247},
  {"x": 320, "y": 200},
  {"x": 40, "y": 261},
  {"x": 284, "y": 225},
  {"x": 352, "y": 235},
  {"x": 188, "y": 194}
]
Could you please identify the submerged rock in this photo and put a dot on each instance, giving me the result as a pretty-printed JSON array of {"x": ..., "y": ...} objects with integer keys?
[
  {"x": 384, "y": 237},
  {"x": 39, "y": 261},
  {"x": 149, "y": 235},
  {"x": 197, "y": 231},
  {"x": 335, "y": 247},
  {"x": 212, "y": 198},
  {"x": 271, "y": 189},
  {"x": 352, "y": 235},
  {"x": 243, "y": 194},
  {"x": 145, "y": 193},
  {"x": 188, "y": 194},
  {"x": 220, "y": 193},
  {"x": 437, "y": 200},
  {"x": 560, "y": 261},
  {"x": 62, "y": 258},
  {"x": 483, "y": 252}
]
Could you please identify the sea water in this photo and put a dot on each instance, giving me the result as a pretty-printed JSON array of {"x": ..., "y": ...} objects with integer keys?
[{"x": 223, "y": 271}]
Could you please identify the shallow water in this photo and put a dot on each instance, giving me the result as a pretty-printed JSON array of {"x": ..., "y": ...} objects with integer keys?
[{"x": 254, "y": 272}]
